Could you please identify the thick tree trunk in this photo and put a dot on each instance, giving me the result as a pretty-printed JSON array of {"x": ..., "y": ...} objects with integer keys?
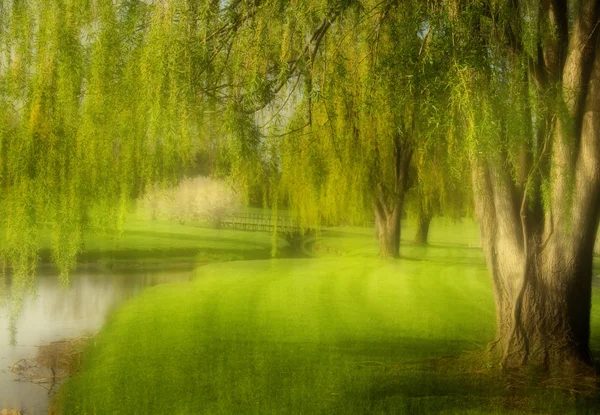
[
  {"x": 540, "y": 254},
  {"x": 388, "y": 232},
  {"x": 547, "y": 320},
  {"x": 541, "y": 277},
  {"x": 422, "y": 235}
]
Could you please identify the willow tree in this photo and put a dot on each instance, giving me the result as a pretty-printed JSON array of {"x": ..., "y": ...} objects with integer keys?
[
  {"x": 365, "y": 109},
  {"x": 442, "y": 186},
  {"x": 100, "y": 98},
  {"x": 88, "y": 116},
  {"x": 525, "y": 86},
  {"x": 528, "y": 99}
]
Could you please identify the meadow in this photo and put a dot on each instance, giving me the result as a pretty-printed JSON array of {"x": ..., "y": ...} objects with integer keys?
[{"x": 338, "y": 331}]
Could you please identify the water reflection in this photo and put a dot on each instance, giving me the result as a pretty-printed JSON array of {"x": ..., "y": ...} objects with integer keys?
[{"x": 57, "y": 313}]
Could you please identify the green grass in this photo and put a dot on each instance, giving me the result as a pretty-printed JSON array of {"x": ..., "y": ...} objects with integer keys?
[
  {"x": 451, "y": 239},
  {"x": 327, "y": 335},
  {"x": 148, "y": 243}
]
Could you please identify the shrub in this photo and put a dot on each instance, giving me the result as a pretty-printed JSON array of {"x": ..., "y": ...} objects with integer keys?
[{"x": 194, "y": 199}]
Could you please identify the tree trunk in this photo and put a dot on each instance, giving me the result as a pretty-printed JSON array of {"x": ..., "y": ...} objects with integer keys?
[
  {"x": 388, "y": 232},
  {"x": 541, "y": 276},
  {"x": 540, "y": 254},
  {"x": 546, "y": 321},
  {"x": 388, "y": 201},
  {"x": 422, "y": 235}
]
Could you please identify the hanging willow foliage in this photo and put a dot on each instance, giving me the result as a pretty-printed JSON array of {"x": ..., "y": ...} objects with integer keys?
[
  {"x": 96, "y": 102},
  {"x": 377, "y": 77},
  {"x": 100, "y": 98}
]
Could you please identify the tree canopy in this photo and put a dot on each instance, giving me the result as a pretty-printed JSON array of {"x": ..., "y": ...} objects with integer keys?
[{"x": 101, "y": 98}]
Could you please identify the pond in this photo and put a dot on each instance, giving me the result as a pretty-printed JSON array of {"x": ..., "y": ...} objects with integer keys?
[{"x": 58, "y": 313}]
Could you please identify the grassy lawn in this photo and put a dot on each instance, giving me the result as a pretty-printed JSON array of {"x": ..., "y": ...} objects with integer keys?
[
  {"x": 323, "y": 335},
  {"x": 160, "y": 243},
  {"x": 450, "y": 242}
]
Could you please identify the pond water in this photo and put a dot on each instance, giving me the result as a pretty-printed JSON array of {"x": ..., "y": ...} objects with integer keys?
[{"x": 58, "y": 313}]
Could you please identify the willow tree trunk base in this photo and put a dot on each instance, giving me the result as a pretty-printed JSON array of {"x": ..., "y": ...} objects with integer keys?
[
  {"x": 544, "y": 319},
  {"x": 572, "y": 377},
  {"x": 388, "y": 235}
]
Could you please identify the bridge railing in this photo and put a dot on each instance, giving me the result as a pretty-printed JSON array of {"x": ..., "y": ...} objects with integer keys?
[{"x": 261, "y": 222}]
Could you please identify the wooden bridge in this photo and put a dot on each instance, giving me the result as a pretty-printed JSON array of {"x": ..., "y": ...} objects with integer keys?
[{"x": 263, "y": 223}]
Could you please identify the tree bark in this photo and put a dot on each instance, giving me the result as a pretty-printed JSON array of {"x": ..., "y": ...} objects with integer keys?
[
  {"x": 541, "y": 277},
  {"x": 388, "y": 231},
  {"x": 547, "y": 321},
  {"x": 388, "y": 201},
  {"x": 422, "y": 235},
  {"x": 540, "y": 255}
]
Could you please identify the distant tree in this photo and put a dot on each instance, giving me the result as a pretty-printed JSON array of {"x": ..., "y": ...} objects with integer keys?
[
  {"x": 153, "y": 201},
  {"x": 440, "y": 186},
  {"x": 365, "y": 112},
  {"x": 203, "y": 199}
]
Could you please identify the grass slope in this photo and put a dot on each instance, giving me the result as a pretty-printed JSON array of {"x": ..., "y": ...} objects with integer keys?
[
  {"x": 307, "y": 336},
  {"x": 159, "y": 243}
]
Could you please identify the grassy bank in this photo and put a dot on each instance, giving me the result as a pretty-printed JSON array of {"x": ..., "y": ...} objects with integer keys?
[
  {"x": 166, "y": 244},
  {"x": 310, "y": 336}
]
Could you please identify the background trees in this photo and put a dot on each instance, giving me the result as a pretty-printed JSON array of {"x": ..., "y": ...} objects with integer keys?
[
  {"x": 441, "y": 184},
  {"x": 374, "y": 99}
]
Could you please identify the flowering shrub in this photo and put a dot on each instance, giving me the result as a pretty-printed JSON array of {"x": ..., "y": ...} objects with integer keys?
[{"x": 194, "y": 199}]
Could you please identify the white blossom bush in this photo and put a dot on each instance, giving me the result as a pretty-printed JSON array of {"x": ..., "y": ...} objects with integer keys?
[
  {"x": 154, "y": 203},
  {"x": 198, "y": 199}
]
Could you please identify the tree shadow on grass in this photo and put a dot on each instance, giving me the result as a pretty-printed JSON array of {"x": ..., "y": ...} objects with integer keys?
[
  {"x": 339, "y": 233},
  {"x": 143, "y": 259},
  {"x": 470, "y": 384},
  {"x": 447, "y": 245},
  {"x": 459, "y": 260}
]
